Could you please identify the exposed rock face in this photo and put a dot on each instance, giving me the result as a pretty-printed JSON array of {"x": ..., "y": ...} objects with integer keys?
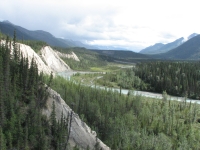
[
  {"x": 72, "y": 55},
  {"x": 53, "y": 60},
  {"x": 81, "y": 135},
  {"x": 29, "y": 53}
]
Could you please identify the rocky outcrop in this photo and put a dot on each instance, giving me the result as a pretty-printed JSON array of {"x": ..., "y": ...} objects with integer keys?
[
  {"x": 72, "y": 55},
  {"x": 47, "y": 60},
  {"x": 81, "y": 135},
  {"x": 51, "y": 58},
  {"x": 27, "y": 52}
]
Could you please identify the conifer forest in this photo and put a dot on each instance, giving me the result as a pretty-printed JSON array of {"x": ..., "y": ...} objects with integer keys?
[
  {"x": 123, "y": 122},
  {"x": 23, "y": 94}
]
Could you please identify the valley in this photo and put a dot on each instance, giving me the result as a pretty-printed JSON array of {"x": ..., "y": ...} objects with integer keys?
[
  {"x": 80, "y": 98},
  {"x": 90, "y": 79}
]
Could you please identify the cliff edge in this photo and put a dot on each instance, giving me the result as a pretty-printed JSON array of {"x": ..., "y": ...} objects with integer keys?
[{"x": 81, "y": 134}]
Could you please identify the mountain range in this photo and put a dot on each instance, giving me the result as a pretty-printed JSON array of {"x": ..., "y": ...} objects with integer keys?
[
  {"x": 162, "y": 48},
  {"x": 189, "y": 50},
  {"x": 8, "y": 28},
  {"x": 181, "y": 48}
]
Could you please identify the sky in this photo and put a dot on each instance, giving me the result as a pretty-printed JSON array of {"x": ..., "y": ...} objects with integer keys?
[{"x": 128, "y": 24}]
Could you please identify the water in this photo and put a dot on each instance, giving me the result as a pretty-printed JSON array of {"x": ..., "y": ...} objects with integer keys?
[{"x": 67, "y": 76}]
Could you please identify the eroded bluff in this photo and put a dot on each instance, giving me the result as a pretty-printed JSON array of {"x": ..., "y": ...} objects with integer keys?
[{"x": 81, "y": 135}]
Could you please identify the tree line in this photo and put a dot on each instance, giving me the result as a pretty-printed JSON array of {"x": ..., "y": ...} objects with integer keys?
[
  {"x": 129, "y": 122},
  {"x": 125, "y": 78},
  {"x": 88, "y": 58},
  {"x": 23, "y": 95},
  {"x": 176, "y": 78},
  {"x": 121, "y": 121}
]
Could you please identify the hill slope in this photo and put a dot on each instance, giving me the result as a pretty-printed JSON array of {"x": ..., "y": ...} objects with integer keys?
[
  {"x": 152, "y": 49},
  {"x": 162, "y": 48},
  {"x": 81, "y": 134},
  {"x": 123, "y": 56},
  {"x": 190, "y": 50},
  {"x": 23, "y": 34}
]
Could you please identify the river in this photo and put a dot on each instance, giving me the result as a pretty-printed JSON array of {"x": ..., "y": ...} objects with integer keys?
[{"x": 67, "y": 75}]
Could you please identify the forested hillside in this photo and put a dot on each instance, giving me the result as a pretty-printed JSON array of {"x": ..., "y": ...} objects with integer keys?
[
  {"x": 125, "y": 78},
  {"x": 22, "y": 97},
  {"x": 124, "y": 56},
  {"x": 88, "y": 58},
  {"x": 162, "y": 48},
  {"x": 176, "y": 78},
  {"x": 24, "y": 34},
  {"x": 190, "y": 50},
  {"x": 133, "y": 122},
  {"x": 122, "y": 122}
]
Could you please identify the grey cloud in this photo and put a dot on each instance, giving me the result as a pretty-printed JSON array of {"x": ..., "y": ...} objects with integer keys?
[{"x": 74, "y": 19}]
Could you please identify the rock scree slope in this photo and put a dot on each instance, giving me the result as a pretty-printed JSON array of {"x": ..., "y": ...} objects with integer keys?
[
  {"x": 28, "y": 52},
  {"x": 51, "y": 58},
  {"x": 81, "y": 135}
]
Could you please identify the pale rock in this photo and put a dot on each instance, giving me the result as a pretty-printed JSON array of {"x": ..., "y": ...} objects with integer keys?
[
  {"x": 28, "y": 52},
  {"x": 52, "y": 60},
  {"x": 81, "y": 135}
]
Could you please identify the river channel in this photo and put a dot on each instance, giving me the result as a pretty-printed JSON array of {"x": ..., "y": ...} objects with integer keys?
[{"x": 67, "y": 76}]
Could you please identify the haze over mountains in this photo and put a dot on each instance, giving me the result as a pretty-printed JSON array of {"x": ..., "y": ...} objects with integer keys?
[
  {"x": 189, "y": 50},
  {"x": 181, "y": 48},
  {"x": 162, "y": 48},
  {"x": 8, "y": 28}
]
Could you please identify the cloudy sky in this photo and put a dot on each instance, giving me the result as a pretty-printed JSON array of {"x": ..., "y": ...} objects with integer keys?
[{"x": 132, "y": 24}]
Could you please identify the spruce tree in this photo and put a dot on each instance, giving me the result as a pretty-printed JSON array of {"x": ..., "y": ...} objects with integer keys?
[
  {"x": 2, "y": 140},
  {"x": 2, "y": 107}
]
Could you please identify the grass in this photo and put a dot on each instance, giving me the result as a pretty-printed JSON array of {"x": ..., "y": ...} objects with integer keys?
[
  {"x": 110, "y": 67},
  {"x": 98, "y": 72},
  {"x": 87, "y": 78}
]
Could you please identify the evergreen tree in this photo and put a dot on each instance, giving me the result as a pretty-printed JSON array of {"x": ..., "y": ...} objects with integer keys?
[
  {"x": 2, "y": 107},
  {"x": 2, "y": 140}
]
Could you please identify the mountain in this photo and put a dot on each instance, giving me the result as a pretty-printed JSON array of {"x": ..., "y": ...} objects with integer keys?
[
  {"x": 8, "y": 28},
  {"x": 189, "y": 50},
  {"x": 162, "y": 48},
  {"x": 192, "y": 35},
  {"x": 152, "y": 49},
  {"x": 123, "y": 56}
]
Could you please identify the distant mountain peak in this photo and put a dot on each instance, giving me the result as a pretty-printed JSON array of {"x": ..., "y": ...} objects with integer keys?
[
  {"x": 189, "y": 50},
  {"x": 192, "y": 35},
  {"x": 163, "y": 48},
  {"x": 8, "y": 22},
  {"x": 7, "y": 28}
]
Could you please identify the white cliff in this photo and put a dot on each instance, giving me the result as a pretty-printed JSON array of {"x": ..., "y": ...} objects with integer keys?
[
  {"x": 29, "y": 53},
  {"x": 81, "y": 135},
  {"x": 52, "y": 60}
]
